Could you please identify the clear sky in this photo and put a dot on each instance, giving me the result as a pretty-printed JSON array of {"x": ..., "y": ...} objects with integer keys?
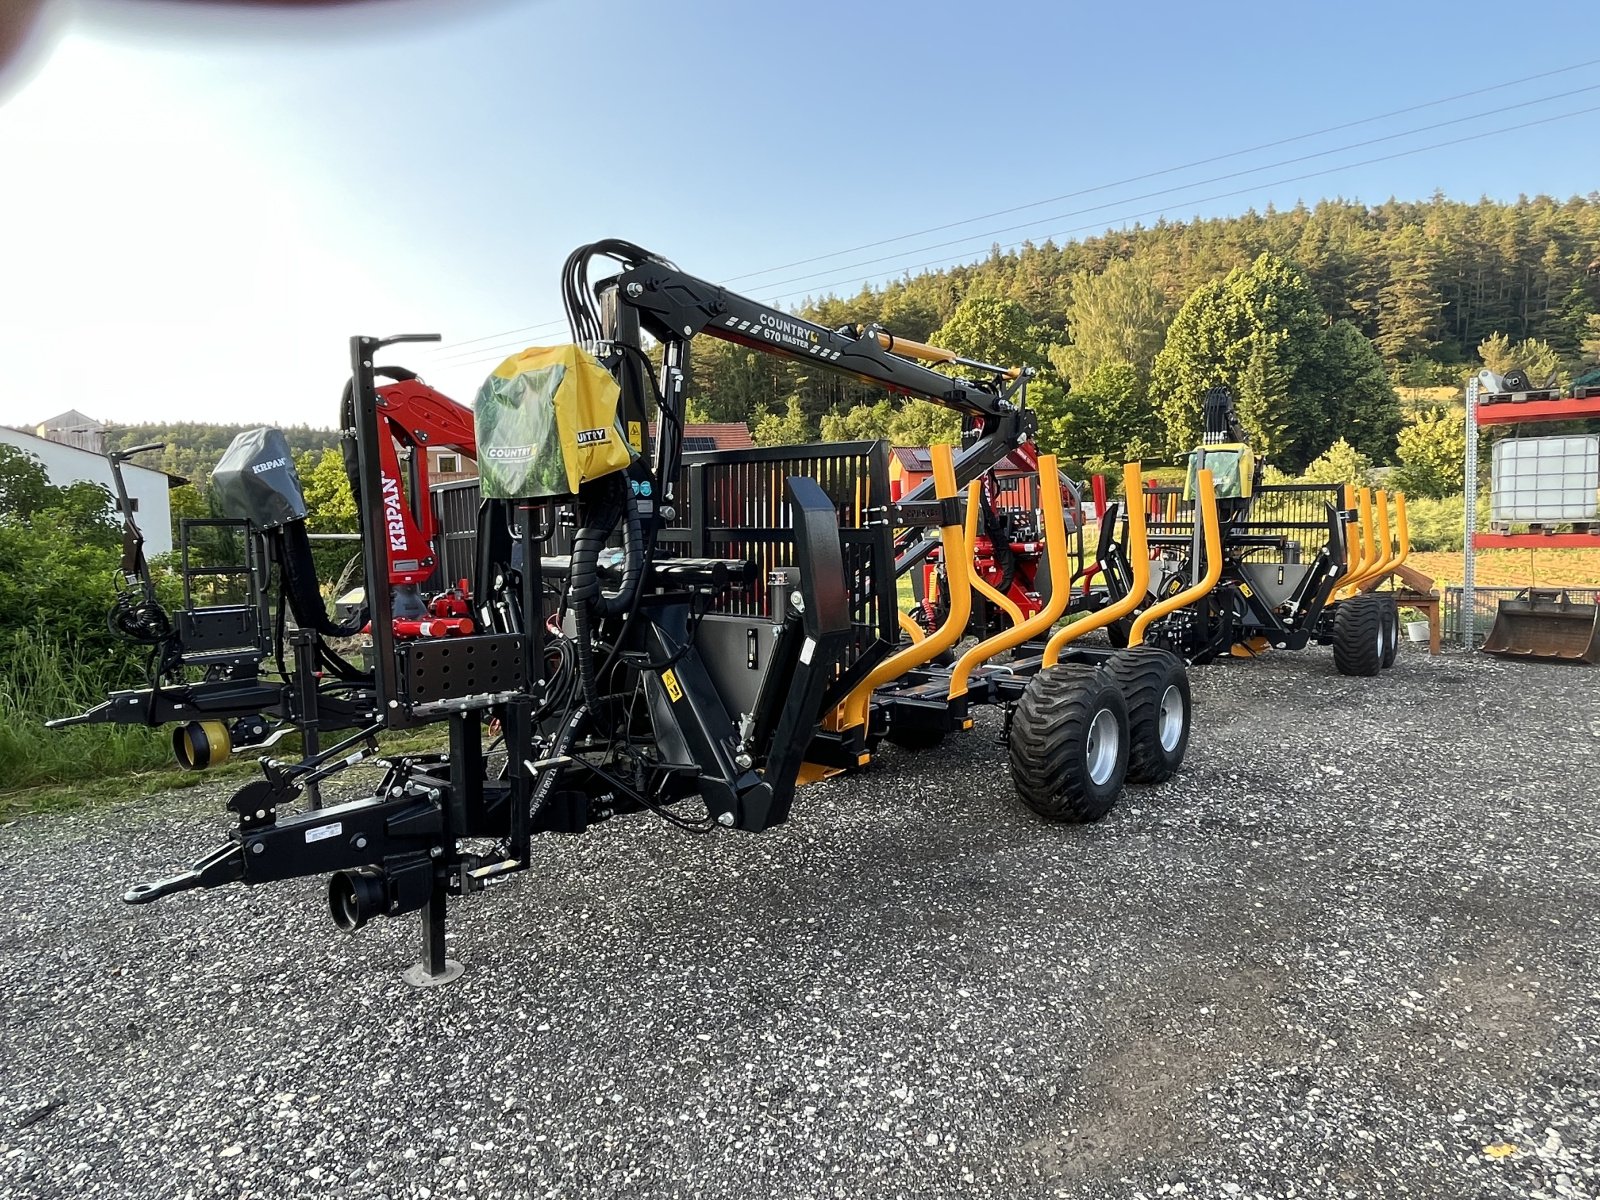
[{"x": 197, "y": 210}]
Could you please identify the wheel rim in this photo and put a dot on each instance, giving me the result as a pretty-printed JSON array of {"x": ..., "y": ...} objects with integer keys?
[
  {"x": 1382, "y": 639},
  {"x": 1169, "y": 719},
  {"x": 1100, "y": 754}
]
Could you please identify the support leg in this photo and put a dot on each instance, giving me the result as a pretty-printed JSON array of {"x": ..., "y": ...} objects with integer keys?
[{"x": 434, "y": 968}]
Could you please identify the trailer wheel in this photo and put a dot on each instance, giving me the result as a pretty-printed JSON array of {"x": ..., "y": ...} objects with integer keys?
[
  {"x": 1391, "y": 629},
  {"x": 1358, "y": 636},
  {"x": 1069, "y": 743},
  {"x": 1155, "y": 687}
]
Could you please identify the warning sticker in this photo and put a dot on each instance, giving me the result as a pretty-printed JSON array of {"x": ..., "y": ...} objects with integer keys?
[
  {"x": 323, "y": 832},
  {"x": 674, "y": 688}
]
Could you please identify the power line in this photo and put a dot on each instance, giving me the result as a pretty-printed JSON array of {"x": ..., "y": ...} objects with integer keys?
[
  {"x": 944, "y": 260},
  {"x": 455, "y": 351},
  {"x": 1199, "y": 162},
  {"x": 1228, "y": 195},
  {"x": 1388, "y": 137}
]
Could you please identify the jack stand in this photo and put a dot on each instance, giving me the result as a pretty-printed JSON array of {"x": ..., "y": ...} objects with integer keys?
[{"x": 434, "y": 969}]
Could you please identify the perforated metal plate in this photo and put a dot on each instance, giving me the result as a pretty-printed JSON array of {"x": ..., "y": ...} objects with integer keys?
[{"x": 455, "y": 668}]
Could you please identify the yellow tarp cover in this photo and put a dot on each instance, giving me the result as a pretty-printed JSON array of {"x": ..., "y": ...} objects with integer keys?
[
  {"x": 546, "y": 421},
  {"x": 1232, "y": 466}
]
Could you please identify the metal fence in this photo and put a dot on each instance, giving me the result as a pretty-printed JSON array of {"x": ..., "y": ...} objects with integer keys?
[
  {"x": 1485, "y": 601},
  {"x": 1285, "y": 522}
]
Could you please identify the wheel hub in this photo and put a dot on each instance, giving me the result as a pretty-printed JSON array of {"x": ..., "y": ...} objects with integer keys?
[
  {"x": 1169, "y": 718},
  {"x": 1104, "y": 741}
]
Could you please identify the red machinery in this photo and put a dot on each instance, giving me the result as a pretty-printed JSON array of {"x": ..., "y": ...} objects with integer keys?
[
  {"x": 1008, "y": 552},
  {"x": 420, "y": 418}
]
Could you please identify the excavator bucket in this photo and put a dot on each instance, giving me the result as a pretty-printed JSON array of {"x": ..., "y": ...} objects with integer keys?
[{"x": 1545, "y": 624}]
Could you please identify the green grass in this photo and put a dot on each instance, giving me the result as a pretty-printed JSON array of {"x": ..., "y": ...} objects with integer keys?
[
  {"x": 50, "y": 770},
  {"x": 38, "y": 682}
]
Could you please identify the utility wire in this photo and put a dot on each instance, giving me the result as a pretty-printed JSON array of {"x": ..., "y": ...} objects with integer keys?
[
  {"x": 1226, "y": 195},
  {"x": 1199, "y": 162},
  {"x": 447, "y": 355},
  {"x": 945, "y": 260},
  {"x": 1388, "y": 137}
]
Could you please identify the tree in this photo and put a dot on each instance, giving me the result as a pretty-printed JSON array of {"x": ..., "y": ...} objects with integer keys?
[
  {"x": 186, "y": 503},
  {"x": 1257, "y": 331},
  {"x": 1357, "y": 393},
  {"x": 990, "y": 330},
  {"x": 788, "y": 428},
  {"x": 1500, "y": 354},
  {"x": 923, "y": 423},
  {"x": 1339, "y": 463},
  {"x": 1591, "y": 339},
  {"x": 1117, "y": 316},
  {"x": 327, "y": 491},
  {"x": 24, "y": 485},
  {"x": 1433, "y": 455},
  {"x": 1103, "y": 422},
  {"x": 1409, "y": 304},
  {"x": 863, "y": 423}
]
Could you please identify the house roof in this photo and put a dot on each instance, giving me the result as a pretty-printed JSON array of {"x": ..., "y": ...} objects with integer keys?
[
  {"x": 71, "y": 419},
  {"x": 724, "y": 435},
  {"x": 24, "y": 440},
  {"x": 918, "y": 459},
  {"x": 912, "y": 458}
]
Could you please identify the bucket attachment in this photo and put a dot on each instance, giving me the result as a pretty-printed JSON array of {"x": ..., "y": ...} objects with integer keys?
[{"x": 1544, "y": 623}]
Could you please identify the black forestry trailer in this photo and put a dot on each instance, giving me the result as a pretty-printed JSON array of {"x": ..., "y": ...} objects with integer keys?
[{"x": 692, "y": 635}]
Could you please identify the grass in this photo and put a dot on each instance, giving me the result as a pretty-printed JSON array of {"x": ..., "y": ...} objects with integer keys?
[
  {"x": 40, "y": 681},
  {"x": 51, "y": 770}
]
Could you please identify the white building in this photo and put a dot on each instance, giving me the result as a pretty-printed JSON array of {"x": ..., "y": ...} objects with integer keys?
[{"x": 147, "y": 489}]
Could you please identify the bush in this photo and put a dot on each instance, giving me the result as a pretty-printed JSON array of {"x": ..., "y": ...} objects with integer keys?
[{"x": 1440, "y": 524}]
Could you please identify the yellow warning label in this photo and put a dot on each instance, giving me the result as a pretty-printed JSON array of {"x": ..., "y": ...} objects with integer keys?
[
  {"x": 636, "y": 435},
  {"x": 1244, "y": 590},
  {"x": 674, "y": 688}
]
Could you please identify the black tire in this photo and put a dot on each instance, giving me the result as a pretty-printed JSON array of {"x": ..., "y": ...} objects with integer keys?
[
  {"x": 1155, "y": 687},
  {"x": 1391, "y": 626},
  {"x": 1069, "y": 743},
  {"x": 1358, "y": 636}
]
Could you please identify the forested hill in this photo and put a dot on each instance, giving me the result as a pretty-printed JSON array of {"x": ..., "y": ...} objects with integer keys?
[
  {"x": 193, "y": 447},
  {"x": 1312, "y": 315},
  {"x": 1301, "y": 309}
]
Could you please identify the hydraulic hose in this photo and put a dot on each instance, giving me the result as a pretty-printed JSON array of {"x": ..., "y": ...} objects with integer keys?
[{"x": 601, "y": 515}]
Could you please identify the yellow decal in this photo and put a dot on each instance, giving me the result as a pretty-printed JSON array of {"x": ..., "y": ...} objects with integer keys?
[
  {"x": 1244, "y": 590},
  {"x": 674, "y": 688},
  {"x": 636, "y": 435}
]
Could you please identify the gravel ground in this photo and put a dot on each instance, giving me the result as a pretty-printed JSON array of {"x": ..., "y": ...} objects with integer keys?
[{"x": 1349, "y": 951}]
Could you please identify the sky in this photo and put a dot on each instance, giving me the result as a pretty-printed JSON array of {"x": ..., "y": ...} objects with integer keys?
[{"x": 198, "y": 207}]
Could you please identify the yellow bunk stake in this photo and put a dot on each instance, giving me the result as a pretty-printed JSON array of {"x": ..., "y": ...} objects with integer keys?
[
  {"x": 957, "y": 557},
  {"x": 1205, "y": 510},
  {"x": 1389, "y": 554},
  {"x": 911, "y": 628},
  {"x": 981, "y": 585},
  {"x": 1367, "y": 543},
  {"x": 1352, "y": 545},
  {"x": 1138, "y": 559},
  {"x": 1375, "y": 551},
  {"x": 1055, "y": 547},
  {"x": 1405, "y": 528}
]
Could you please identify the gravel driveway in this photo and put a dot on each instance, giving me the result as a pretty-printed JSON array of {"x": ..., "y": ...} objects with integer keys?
[{"x": 1350, "y": 951}]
